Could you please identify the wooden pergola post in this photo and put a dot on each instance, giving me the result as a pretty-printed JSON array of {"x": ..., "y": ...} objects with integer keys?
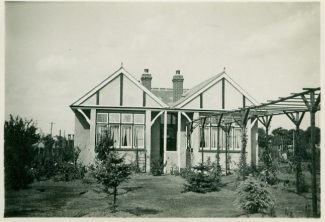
[
  {"x": 312, "y": 106},
  {"x": 227, "y": 129},
  {"x": 297, "y": 147},
  {"x": 218, "y": 142},
  {"x": 189, "y": 130},
  {"x": 243, "y": 123},
  {"x": 202, "y": 139},
  {"x": 266, "y": 120}
]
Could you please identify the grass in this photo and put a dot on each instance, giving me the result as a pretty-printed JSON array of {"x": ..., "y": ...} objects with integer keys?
[{"x": 143, "y": 196}]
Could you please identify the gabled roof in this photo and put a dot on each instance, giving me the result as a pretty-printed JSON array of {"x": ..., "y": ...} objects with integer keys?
[
  {"x": 203, "y": 86},
  {"x": 110, "y": 78}
]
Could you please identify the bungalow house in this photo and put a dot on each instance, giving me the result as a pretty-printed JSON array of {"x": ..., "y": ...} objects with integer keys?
[{"x": 149, "y": 125}]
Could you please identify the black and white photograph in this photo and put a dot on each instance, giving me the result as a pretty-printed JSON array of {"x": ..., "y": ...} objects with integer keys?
[{"x": 162, "y": 109}]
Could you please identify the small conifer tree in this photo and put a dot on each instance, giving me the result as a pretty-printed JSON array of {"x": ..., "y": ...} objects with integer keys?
[
  {"x": 111, "y": 167},
  {"x": 202, "y": 179}
]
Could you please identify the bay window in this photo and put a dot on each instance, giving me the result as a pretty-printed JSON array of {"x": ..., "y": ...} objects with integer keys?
[{"x": 126, "y": 129}]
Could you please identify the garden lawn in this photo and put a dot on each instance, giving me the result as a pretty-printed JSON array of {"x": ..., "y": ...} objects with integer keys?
[{"x": 143, "y": 196}]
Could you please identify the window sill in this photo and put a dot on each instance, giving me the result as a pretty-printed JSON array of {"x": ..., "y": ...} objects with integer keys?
[
  {"x": 129, "y": 149},
  {"x": 221, "y": 151}
]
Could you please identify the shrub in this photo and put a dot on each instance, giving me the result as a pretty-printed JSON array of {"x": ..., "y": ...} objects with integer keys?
[
  {"x": 68, "y": 171},
  {"x": 202, "y": 179},
  {"x": 186, "y": 172},
  {"x": 157, "y": 168},
  {"x": 174, "y": 170},
  {"x": 268, "y": 177},
  {"x": 253, "y": 196},
  {"x": 19, "y": 137},
  {"x": 247, "y": 170}
]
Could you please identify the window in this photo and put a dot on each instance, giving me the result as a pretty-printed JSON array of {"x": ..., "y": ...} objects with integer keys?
[
  {"x": 205, "y": 143},
  {"x": 138, "y": 138},
  {"x": 210, "y": 137},
  {"x": 102, "y": 118},
  {"x": 115, "y": 134},
  {"x": 126, "y": 129},
  {"x": 100, "y": 132},
  {"x": 222, "y": 139},
  {"x": 127, "y": 118},
  {"x": 214, "y": 137},
  {"x": 114, "y": 118},
  {"x": 138, "y": 119},
  {"x": 236, "y": 139},
  {"x": 126, "y": 135}
]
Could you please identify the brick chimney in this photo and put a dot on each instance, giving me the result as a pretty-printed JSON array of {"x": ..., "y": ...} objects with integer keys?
[
  {"x": 177, "y": 86},
  {"x": 146, "y": 79}
]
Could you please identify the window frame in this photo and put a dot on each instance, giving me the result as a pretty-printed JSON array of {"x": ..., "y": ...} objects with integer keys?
[
  {"x": 222, "y": 138},
  {"x": 106, "y": 114},
  {"x": 120, "y": 123}
]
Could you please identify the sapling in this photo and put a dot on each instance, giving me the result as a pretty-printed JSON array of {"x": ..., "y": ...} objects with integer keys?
[{"x": 112, "y": 170}]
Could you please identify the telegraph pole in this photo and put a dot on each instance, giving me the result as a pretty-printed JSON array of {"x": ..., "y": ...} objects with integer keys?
[{"x": 52, "y": 127}]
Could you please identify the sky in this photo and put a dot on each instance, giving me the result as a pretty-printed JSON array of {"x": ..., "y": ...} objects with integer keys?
[{"x": 56, "y": 52}]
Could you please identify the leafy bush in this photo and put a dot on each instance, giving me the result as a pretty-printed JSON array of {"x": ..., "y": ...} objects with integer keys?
[
  {"x": 58, "y": 160},
  {"x": 269, "y": 177},
  {"x": 174, "y": 170},
  {"x": 253, "y": 196},
  {"x": 203, "y": 179},
  {"x": 186, "y": 172},
  {"x": 69, "y": 171},
  {"x": 19, "y": 137},
  {"x": 157, "y": 168}
]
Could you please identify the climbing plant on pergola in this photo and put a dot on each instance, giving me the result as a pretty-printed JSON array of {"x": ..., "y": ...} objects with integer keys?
[{"x": 294, "y": 107}]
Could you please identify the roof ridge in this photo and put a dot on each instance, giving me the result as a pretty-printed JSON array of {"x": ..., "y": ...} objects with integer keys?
[
  {"x": 97, "y": 85},
  {"x": 196, "y": 88},
  {"x": 128, "y": 75}
]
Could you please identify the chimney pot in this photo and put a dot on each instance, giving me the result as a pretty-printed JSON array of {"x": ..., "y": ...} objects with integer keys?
[{"x": 146, "y": 79}]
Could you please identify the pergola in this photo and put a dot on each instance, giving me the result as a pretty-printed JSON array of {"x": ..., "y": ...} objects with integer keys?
[{"x": 294, "y": 107}]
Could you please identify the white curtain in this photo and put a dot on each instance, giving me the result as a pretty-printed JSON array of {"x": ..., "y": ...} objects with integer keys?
[
  {"x": 138, "y": 136},
  {"x": 206, "y": 137},
  {"x": 126, "y": 136},
  {"x": 214, "y": 137},
  {"x": 115, "y": 133}
]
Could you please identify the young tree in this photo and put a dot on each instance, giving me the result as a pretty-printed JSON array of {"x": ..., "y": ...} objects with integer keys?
[
  {"x": 111, "y": 168},
  {"x": 19, "y": 136}
]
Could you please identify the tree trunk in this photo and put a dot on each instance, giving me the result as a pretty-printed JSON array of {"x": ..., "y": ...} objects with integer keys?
[{"x": 114, "y": 200}]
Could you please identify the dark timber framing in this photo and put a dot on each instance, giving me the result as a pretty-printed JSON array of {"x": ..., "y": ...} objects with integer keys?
[
  {"x": 223, "y": 93},
  {"x": 244, "y": 101},
  {"x": 202, "y": 138},
  {"x": 297, "y": 149},
  {"x": 201, "y": 100},
  {"x": 97, "y": 98},
  {"x": 144, "y": 99},
  {"x": 121, "y": 89}
]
